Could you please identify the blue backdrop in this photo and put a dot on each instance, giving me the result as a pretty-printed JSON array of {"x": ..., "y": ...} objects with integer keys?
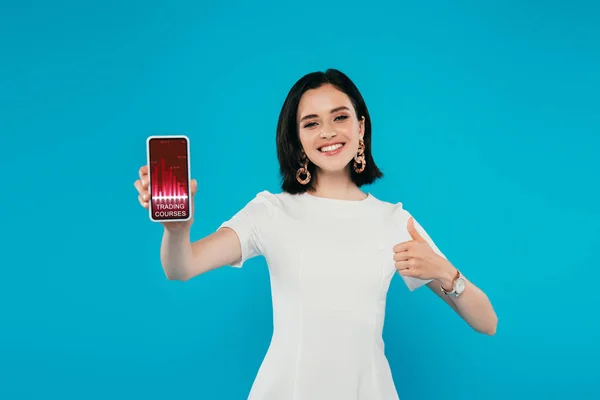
[{"x": 486, "y": 124}]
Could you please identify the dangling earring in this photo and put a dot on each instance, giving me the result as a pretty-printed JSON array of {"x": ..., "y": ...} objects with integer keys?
[
  {"x": 303, "y": 170},
  {"x": 360, "y": 158}
]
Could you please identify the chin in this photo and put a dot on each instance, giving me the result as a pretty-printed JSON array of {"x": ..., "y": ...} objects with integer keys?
[{"x": 333, "y": 167}]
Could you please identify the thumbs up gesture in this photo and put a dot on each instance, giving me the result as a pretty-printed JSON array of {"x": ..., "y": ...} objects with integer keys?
[{"x": 417, "y": 259}]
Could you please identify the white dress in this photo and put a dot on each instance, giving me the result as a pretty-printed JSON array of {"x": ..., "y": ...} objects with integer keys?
[{"x": 330, "y": 264}]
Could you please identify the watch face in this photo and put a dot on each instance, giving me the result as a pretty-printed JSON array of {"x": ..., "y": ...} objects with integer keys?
[{"x": 460, "y": 285}]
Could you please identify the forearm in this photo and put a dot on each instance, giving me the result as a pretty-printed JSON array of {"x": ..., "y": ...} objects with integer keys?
[
  {"x": 176, "y": 253},
  {"x": 472, "y": 305}
]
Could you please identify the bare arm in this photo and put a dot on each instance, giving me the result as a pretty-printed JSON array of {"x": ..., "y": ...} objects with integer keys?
[
  {"x": 472, "y": 305},
  {"x": 183, "y": 260},
  {"x": 417, "y": 258}
]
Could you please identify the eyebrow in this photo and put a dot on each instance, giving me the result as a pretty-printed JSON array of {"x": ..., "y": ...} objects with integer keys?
[{"x": 331, "y": 112}]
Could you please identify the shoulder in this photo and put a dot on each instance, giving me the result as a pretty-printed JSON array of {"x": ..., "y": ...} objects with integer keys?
[
  {"x": 266, "y": 203},
  {"x": 393, "y": 210},
  {"x": 274, "y": 200}
]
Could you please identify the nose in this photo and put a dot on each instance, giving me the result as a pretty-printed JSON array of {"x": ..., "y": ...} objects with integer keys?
[{"x": 328, "y": 135}]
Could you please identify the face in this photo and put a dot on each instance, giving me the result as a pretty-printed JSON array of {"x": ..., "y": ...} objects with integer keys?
[{"x": 329, "y": 128}]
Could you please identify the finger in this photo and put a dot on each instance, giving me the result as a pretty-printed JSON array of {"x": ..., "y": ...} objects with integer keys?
[
  {"x": 409, "y": 272},
  {"x": 404, "y": 246},
  {"x": 143, "y": 171},
  {"x": 402, "y": 265},
  {"x": 194, "y": 186},
  {"x": 142, "y": 191},
  {"x": 143, "y": 202},
  {"x": 412, "y": 263},
  {"x": 403, "y": 256},
  {"x": 412, "y": 230},
  {"x": 138, "y": 185}
]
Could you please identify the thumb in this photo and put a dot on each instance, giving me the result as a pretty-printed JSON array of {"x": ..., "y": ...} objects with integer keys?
[{"x": 413, "y": 231}]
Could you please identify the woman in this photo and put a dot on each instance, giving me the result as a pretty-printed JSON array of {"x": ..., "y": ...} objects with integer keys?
[{"x": 331, "y": 249}]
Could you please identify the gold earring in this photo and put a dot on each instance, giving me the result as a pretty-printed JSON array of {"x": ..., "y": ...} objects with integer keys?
[
  {"x": 359, "y": 159},
  {"x": 303, "y": 170}
]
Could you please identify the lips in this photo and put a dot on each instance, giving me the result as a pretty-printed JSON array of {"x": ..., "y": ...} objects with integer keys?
[{"x": 331, "y": 147}]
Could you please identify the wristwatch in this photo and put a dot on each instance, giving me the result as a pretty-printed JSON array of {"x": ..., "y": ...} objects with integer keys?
[{"x": 458, "y": 286}]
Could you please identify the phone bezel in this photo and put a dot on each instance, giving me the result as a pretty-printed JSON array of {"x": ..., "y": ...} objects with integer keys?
[{"x": 189, "y": 172}]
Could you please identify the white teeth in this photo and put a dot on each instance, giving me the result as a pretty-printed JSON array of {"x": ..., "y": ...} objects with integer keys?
[{"x": 331, "y": 148}]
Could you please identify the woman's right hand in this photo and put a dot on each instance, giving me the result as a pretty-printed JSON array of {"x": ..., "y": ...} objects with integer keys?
[{"x": 144, "y": 198}]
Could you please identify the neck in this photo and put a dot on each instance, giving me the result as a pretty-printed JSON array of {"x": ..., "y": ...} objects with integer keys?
[{"x": 337, "y": 186}]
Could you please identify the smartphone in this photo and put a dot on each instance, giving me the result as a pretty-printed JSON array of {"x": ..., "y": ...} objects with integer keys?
[{"x": 169, "y": 178}]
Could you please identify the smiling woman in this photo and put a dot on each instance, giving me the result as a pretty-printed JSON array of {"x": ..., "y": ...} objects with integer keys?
[
  {"x": 331, "y": 250},
  {"x": 324, "y": 109}
]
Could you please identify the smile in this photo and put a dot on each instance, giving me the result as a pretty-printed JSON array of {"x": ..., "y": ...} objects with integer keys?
[{"x": 331, "y": 149}]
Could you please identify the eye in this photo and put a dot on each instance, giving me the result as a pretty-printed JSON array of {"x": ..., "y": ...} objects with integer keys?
[
  {"x": 341, "y": 117},
  {"x": 310, "y": 125}
]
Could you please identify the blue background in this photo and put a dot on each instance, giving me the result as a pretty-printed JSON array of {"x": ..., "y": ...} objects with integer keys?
[{"x": 486, "y": 123}]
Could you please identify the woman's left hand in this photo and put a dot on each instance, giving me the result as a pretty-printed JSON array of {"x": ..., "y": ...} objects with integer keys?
[{"x": 417, "y": 259}]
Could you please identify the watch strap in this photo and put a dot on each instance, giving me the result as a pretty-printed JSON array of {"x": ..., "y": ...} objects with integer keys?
[{"x": 453, "y": 291}]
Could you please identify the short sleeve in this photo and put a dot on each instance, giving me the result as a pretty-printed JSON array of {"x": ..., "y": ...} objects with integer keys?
[
  {"x": 250, "y": 224},
  {"x": 402, "y": 217}
]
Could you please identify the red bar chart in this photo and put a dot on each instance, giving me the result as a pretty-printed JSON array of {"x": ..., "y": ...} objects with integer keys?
[{"x": 169, "y": 179}]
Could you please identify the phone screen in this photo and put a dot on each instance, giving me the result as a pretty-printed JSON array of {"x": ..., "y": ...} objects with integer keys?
[{"x": 168, "y": 165}]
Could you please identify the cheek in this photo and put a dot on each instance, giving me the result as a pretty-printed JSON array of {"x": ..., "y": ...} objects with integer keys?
[
  {"x": 307, "y": 138},
  {"x": 304, "y": 139},
  {"x": 344, "y": 128},
  {"x": 350, "y": 130}
]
